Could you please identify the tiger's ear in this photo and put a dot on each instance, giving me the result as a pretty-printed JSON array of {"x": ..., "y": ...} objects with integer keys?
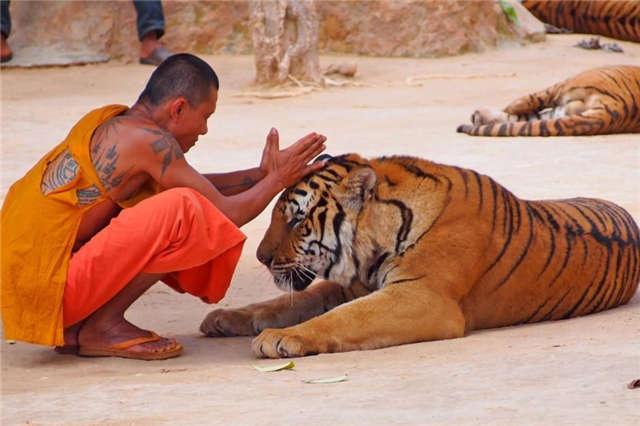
[{"x": 357, "y": 187}]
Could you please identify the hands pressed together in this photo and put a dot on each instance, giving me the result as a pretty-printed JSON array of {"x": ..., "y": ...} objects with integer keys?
[{"x": 290, "y": 165}]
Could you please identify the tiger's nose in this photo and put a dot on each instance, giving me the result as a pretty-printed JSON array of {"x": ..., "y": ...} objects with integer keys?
[{"x": 265, "y": 258}]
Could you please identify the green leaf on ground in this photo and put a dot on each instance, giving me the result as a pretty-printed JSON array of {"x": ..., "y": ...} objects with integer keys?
[
  {"x": 509, "y": 11},
  {"x": 266, "y": 369},
  {"x": 328, "y": 380}
]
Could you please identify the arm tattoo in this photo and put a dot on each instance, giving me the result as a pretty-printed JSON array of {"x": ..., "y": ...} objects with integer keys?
[
  {"x": 165, "y": 142},
  {"x": 62, "y": 170},
  {"x": 246, "y": 183}
]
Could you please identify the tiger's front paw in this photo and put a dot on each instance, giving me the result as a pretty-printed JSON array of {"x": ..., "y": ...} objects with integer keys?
[
  {"x": 274, "y": 343},
  {"x": 228, "y": 322},
  {"x": 483, "y": 116}
]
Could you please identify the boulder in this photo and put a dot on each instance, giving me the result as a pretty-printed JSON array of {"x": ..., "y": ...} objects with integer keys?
[{"x": 414, "y": 28}]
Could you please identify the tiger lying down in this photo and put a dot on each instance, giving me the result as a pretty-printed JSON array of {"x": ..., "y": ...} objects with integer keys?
[
  {"x": 616, "y": 18},
  {"x": 596, "y": 102},
  {"x": 413, "y": 251}
]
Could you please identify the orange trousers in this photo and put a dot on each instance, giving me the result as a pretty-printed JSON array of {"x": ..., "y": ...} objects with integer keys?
[{"x": 177, "y": 232}]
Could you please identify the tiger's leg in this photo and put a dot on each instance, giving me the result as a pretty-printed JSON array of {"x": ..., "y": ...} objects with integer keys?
[
  {"x": 525, "y": 108},
  {"x": 483, "y": 116},
  {"x": 398, "y": 314},
  {"x": 282, "y": 311},
  {"x": 531, "y": 104}
]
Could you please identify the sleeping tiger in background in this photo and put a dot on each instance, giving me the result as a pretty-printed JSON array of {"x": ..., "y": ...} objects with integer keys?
[
  {"x": 618, "y": 19},
  {"x": 595, "y": 102},
  {"x": 413, "y": 251}
]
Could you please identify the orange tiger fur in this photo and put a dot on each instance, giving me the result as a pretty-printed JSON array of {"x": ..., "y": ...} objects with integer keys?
[
  {"x": 413, "y": 251},
  {"x": 599, "y": 101},
  {"x": 618, "y": 19}
]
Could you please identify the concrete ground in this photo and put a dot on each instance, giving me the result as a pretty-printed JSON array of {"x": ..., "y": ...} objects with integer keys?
[{"x": 566, "y": 372}]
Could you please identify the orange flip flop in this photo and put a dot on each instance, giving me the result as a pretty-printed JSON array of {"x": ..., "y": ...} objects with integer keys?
[{"x": 122, "y": 349}]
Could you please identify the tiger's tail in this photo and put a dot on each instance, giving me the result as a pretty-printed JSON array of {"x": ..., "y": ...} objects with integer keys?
[{"x": 572, "y": 125}]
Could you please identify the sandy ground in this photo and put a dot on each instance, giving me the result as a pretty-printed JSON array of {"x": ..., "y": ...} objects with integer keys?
[{"x": 566, "y": 372}]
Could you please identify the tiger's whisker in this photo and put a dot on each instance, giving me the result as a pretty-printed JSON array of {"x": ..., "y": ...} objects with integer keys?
[
  {"x": 308, "y": 272},
  {"x": 291, "y": 291}
]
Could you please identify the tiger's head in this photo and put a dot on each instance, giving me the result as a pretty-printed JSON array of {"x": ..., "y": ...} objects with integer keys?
[{"x": 313, "y": 225}]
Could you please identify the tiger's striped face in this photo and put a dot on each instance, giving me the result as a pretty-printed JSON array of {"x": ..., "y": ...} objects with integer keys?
[{"x": 311, "y": 233}]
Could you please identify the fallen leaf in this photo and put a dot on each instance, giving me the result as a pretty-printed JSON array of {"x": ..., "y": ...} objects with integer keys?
[
  {"x": 288, "y": 366},
  {"x": 172, "y": 370},
  {"x": 328, "y": 380}
]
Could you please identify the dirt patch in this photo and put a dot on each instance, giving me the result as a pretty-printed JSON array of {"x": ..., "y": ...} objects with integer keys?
[{"x": 564, "y": 372}]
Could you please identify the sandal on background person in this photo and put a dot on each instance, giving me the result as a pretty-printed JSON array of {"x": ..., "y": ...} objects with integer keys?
[{"x": 156, "y": 57}]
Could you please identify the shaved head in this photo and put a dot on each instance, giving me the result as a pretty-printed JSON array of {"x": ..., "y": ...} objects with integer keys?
[{"x": 181, "y": 75}]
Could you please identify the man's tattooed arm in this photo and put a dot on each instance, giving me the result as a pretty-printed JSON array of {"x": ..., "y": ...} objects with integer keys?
[
  {"x": 235, "y": 182},
  {"x": 164, "y": 144}
]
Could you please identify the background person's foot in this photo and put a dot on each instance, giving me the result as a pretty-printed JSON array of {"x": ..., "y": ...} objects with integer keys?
[
  {"x": 5, "y": 50},
  {"x": 151, "y": 51},
  {"x": 156, "y": 57}
]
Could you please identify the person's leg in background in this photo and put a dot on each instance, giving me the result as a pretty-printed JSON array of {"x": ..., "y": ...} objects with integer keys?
[
  {"x": 150, "y": 25},
  {"x": 5, "y": 51}
]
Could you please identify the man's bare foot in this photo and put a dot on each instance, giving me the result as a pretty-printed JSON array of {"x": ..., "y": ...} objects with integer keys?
[
  {"x": 5, "y": 50},
  {"x": 106, "y": 333},
  {"x": 123, "y": 339}
]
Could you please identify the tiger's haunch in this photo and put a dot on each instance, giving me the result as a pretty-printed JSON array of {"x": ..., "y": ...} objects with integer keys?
[
  {"x": 618, "y": 19},
  {"x": 599, "y": 101}
]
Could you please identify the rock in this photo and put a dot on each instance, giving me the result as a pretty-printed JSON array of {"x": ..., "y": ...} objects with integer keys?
[
  {"x": 379, "y": 28},
  {"x": 346, "y": 69},
  {"x": 528, "y": 27}
]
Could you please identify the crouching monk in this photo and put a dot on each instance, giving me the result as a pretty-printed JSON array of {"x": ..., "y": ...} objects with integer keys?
[{"x": 116, "y": 207}]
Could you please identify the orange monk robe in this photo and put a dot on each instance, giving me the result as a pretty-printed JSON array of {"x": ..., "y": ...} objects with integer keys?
[
  {"x": 177, "y": 232},
  {"x": 38, "y": 233}
]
